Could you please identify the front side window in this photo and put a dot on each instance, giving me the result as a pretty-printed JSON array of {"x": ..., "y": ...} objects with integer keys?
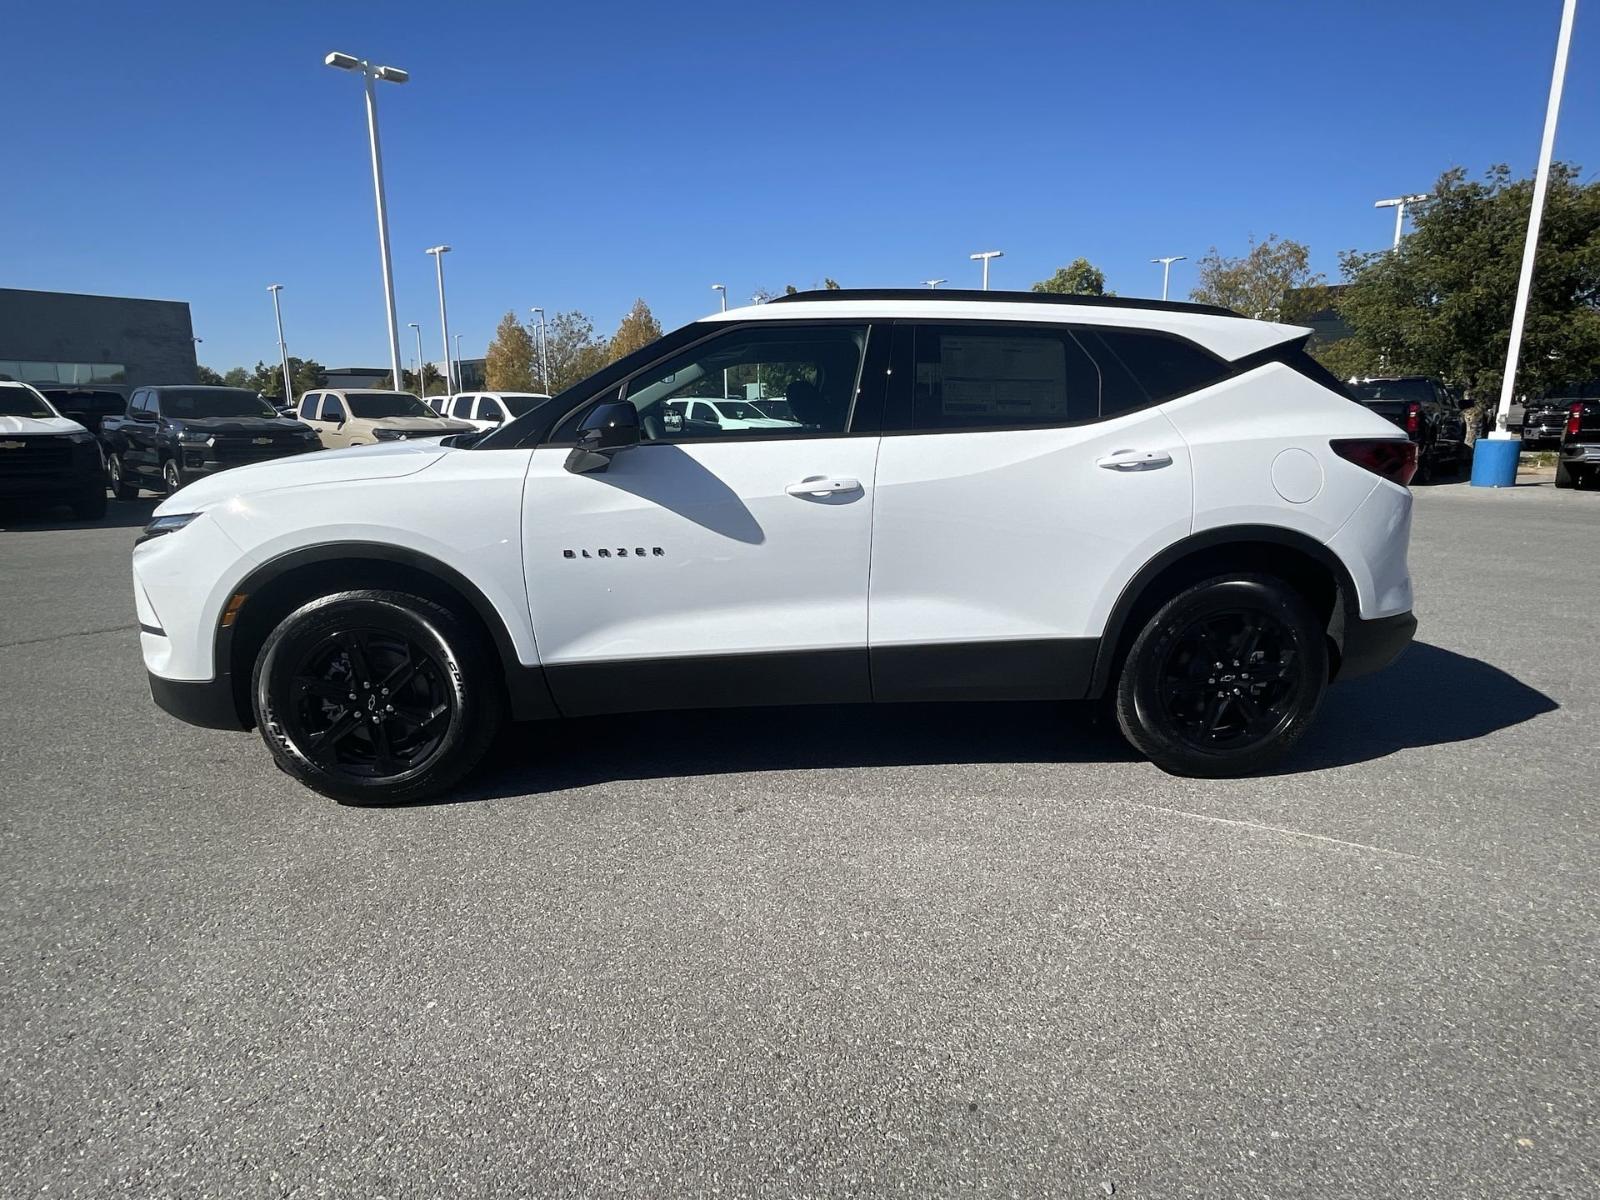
[
  {"x": 814, "y": 372},
  {"x": 489, "y": 410},
  {"x": 461, "y": 407},
  {"x": 332, "y": 409},
  {"x": 374, "y": 406},
  {"x": 1000, "y": 377}
]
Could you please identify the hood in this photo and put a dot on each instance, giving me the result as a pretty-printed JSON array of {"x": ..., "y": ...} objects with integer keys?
[
  {"x": 241, "y": 425},
  {"x": 431, "y": 424},
  {"x": 38, "y": 425},
  {"x": 388, "y": 460}
]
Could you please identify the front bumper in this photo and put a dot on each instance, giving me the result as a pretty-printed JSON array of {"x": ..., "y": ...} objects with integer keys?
[
  {"x": 50, "y": 470},
  {"x": 198, "y": 460},
  {"x": 208, "y": 703},
  {"x": 1372, "y": 645}
]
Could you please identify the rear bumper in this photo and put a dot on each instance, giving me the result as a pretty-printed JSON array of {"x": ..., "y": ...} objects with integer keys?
[
  {"x": 1372, "y": 645},
  {"x": 1582, "y": 453},
  {"x": 207, "y": 703}
]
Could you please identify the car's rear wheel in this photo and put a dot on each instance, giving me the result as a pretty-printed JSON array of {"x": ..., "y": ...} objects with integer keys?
[
  {"x": 1566, "y": 477},
  {"x": 1224, "y": 678},
  {"x": 171, "y": 476},
  {"x": 121, "y": 488},
  {"x": 376, "y": 697}
]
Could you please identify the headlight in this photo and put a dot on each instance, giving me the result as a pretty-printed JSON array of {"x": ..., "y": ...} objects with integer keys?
[
  {"x": 193, "y": 435},
  {"x": 82, "y": 439},
  {"x": 165, "y": 525},
  {"x": 390, "y": 435}
]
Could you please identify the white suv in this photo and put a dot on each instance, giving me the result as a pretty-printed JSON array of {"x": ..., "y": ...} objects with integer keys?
[
  {"x": 488, "y": 410},
  {"x": 981, "y": 496}
]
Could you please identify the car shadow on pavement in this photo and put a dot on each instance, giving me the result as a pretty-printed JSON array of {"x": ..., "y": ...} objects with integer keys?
[
  {"x": 120, "y": 514},
  {"x": 1431, "y": 696}
]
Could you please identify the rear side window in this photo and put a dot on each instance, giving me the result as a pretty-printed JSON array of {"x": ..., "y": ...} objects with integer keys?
[
  {"x": 1143, "y": 367},
  {"x": 461, "y": 406},
  {"x": 1000, "y": 377}
]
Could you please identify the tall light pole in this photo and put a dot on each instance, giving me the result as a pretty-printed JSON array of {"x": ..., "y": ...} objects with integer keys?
[
  {"x": 933, "y": 283},
  {"x": 985, "y": 256},
  {"x": 370, "y": 74},
  {"x": 417, "y": 329},
  {"x": 1506, "y": 459},
  {"x": 544, "y": 358},
  {"x": 283, "y": 350},
  {"x": 1166, "y": 269},
  {"x": 438, "y": 253},
  {"x": 1398, "y": 203}
]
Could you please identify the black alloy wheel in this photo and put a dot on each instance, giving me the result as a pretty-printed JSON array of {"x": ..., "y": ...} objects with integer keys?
[
  {"x": 376, "y": 697},
  {"x": 171, "y": 476},
  {"x": 1224, "y": 678},
  {"x": 1230, "y": 680},
  {"x": 120, "y": 487}
]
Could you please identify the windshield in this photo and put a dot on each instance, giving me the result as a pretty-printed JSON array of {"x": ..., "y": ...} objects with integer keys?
[
  {"x": 520, "y": 405},
  {"x": 1393, "y": 389},
  {"x": 203, "y": 403},
  {"x": 374, "y": 406},
  {"x": 21, "y": 402}
]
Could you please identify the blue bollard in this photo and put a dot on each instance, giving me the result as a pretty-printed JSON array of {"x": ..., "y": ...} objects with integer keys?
[{"x": 1494, "y": 462}]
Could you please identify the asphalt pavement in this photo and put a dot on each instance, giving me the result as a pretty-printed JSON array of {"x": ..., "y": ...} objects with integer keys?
[{"x": 928, "y": 951}]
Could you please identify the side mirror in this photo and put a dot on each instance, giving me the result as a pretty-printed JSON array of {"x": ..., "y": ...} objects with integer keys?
[{"x": 610, "y": 427}]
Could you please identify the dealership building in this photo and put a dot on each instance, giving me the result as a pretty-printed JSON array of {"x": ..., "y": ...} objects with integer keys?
[{"x": 62, "y": 337}]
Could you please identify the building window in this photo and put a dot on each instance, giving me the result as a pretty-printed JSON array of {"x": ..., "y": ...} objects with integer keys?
[{"x": 59, "y": 372}]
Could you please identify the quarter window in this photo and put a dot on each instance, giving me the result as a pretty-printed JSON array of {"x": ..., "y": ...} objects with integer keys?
[{"x": 1162, "y": 366}]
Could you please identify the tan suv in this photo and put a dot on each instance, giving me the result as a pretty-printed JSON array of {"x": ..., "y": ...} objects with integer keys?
[{"x": 362, "y": 416}]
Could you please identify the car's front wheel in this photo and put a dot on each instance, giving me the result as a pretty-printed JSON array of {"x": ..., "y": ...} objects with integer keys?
[
  {"x": 171, "y": 475},
  {"x": 1224, "y": 678},
  {"x": 376, "y": 697}
]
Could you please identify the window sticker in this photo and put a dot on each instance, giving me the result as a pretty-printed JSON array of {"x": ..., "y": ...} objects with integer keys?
[{"x": 1003, "y": 378}]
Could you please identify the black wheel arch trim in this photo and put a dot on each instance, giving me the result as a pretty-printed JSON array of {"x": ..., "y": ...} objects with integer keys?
[
  {"x": 1212, "y": 539},
  {"x": 526, "y": 688}
]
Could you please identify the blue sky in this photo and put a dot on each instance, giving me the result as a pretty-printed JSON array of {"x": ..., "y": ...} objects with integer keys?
[{"x": 578, "y": 156}]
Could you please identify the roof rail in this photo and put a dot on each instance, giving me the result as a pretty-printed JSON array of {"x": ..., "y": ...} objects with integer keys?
[{"x": 970, "y": 296}]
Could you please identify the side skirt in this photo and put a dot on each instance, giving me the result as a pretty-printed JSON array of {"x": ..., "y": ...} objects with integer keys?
[{"x": 1046, "y": 669}]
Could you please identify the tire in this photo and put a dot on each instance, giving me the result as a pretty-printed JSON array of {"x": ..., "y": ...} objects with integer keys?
[
  {"x": 433, "y": 730},
  {"x": 1566, "y": 477},
  {"x": 1165, "y": 702},
  {"x": 121, "y": 488},
  {"x": 90, "y": 505},
  {"x": 171, "y": 475}
]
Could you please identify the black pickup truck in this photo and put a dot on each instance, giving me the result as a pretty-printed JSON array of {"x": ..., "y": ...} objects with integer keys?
[
  {"x": 1429, "y": 413},
  {"x": 171, "y": 435},
  {"x": 1578, "y": 464}
]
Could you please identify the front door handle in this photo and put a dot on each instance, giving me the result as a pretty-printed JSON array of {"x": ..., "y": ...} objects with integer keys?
[
  {"x": 1134, "y": 460},
  {"x": 819, "y": 486}
]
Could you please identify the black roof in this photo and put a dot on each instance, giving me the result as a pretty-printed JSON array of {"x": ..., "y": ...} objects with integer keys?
[{"x": 972, "y": 295}]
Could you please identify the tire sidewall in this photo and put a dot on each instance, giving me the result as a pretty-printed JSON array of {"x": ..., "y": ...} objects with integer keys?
[
  {"x": 1138, "y": 703},
  {"x": 433, "y": 629}
]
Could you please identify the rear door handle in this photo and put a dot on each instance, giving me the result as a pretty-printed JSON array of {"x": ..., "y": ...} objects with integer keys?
[
  {"x": 1134, "y": 460},
  {"x": 819, "y": 486}
]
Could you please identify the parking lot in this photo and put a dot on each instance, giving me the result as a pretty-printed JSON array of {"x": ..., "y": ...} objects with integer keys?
[{"x": 919, "y": 951}]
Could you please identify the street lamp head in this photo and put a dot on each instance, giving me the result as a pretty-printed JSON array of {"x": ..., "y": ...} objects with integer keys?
[
  {"x": 987, "y": 254},
  {"x": 413, "y": 325},
  {"x": 933, "y": 283},
  {"x": 345, "y": 62},
  {"x": 437, "y": 250},
  {"x": 392, "y": 74},
  {"x": 1396, "y": 201},
  {"x": 1171, "y": 258},
  {"x": 274, "y": 287}
]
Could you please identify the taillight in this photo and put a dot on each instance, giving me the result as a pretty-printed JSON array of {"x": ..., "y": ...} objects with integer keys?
[
  {"x": 1413, "y": 417},
  {"x": 1395, "y": 460},
  {"x": 1574, "y": 420}
]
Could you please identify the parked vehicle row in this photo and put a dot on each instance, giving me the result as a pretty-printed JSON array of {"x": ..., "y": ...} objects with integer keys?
[{"x": 1431, "y": 415}]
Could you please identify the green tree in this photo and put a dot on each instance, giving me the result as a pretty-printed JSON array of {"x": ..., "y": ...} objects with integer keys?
[
  {"x": 510, "y": 363},
  {"x": 431, "y": 383},
  {"x": 206, "y": 376},
  {"x": 1441, "y": 303},
  {"x": 638, "y": 329},
  {"x": 829, "y": 285},
  {"x": 789, "y": 289},
  {"x": 573, "y": 350},
  {"x": 1259, "y": 283},
  {"x": 304, "y": 373},
  {"x": 236, "y": 377},
  {"x": 1080, "y": 277}
]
